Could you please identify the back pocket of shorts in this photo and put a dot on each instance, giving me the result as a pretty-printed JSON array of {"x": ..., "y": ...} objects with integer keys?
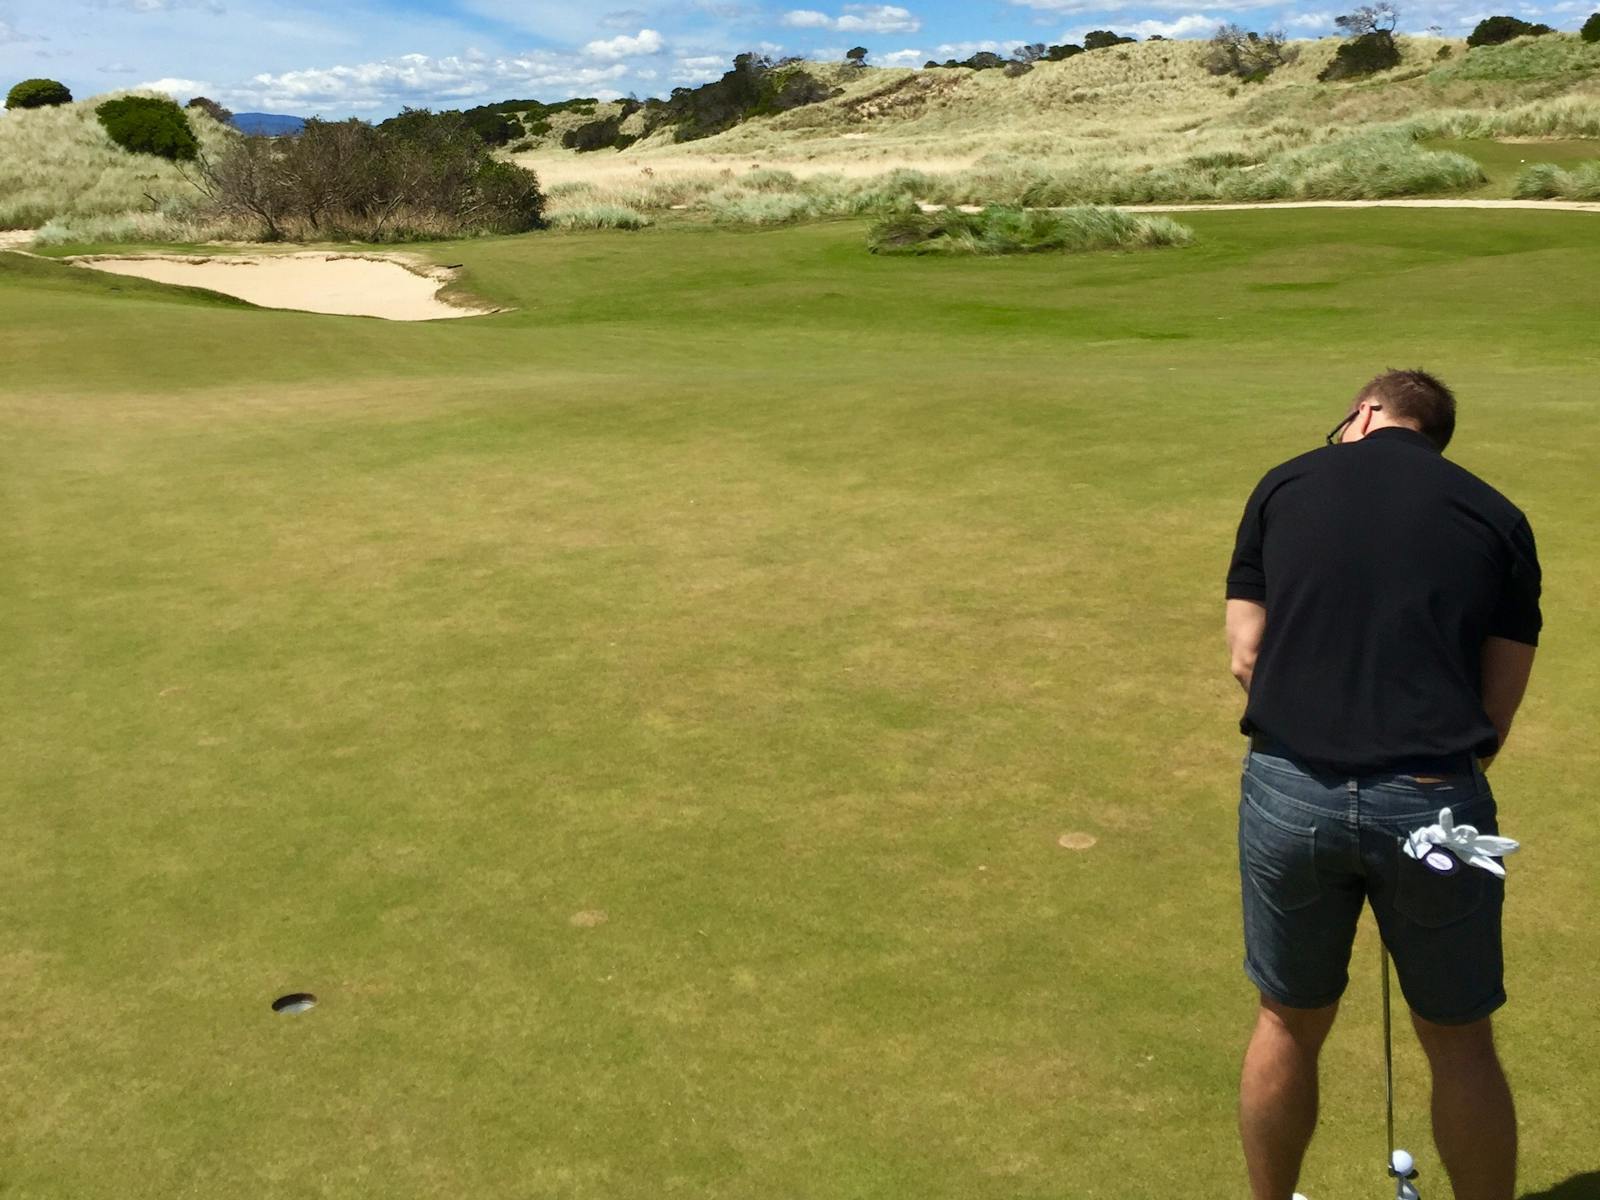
[
  {"x": 1431, "y": 900},
  {"x": 1279, "y": 857}
]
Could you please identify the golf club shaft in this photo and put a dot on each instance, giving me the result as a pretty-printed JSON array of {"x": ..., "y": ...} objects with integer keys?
[{"x": 1388, "y": 1048}]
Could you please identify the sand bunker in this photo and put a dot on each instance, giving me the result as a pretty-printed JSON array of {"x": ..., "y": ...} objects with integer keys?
[
  {"x": 321, "y": 283},
  {"x": 15, "y": 239}
]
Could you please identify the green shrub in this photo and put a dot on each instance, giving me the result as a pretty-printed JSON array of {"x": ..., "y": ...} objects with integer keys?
[
  {"x": 1360, "y": 56},
  {"x": 495, "y": 128},
  {"x": 604, "y": 134},
  {"x": 999, "y": 230},
  {"x": 38, "y": 93},
  {"x": 146, "y": 125},
  {"x": 502, "y": 198},
  {"x": 1591, "y": 29},
  {"x": 1492, "y": 31}
]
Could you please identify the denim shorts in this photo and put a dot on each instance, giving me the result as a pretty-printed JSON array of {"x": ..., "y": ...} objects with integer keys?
[{"x": 1313, "y": 848}]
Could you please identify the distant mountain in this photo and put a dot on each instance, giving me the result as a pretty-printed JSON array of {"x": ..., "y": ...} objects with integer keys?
[{"x": 271, "y": 124}]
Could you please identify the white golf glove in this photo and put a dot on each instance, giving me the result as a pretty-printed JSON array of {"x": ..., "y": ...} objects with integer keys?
[{"x": 1464, "y": 841}]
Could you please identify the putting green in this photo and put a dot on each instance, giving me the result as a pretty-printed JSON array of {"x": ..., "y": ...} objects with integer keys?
[{"x": 648, "y": 719}]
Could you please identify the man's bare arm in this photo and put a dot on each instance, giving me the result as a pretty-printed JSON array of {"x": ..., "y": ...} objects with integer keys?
[
  {"x": 1506, "y": 667},
  {"x": 1247, "y": 621}
]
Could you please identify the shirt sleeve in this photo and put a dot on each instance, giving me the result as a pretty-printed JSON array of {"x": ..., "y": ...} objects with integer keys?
[
  {"x": 1517, "y": 616},
  {"x": 1247, "y": 576}
]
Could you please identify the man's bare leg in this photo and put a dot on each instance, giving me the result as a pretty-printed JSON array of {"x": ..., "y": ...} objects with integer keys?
[
  {"x": 1474, "y": 1121},
  {"x": 1278, "y": 1094}
]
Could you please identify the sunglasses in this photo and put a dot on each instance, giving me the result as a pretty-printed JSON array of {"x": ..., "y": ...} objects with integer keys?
[{"x": 1337, "y": 436}]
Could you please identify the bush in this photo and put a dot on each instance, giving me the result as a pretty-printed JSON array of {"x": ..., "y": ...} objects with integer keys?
[
  {"x": 1591, "y": 29},
  {"x": 595, "y": 135},
  {"x": 495, "y": 128},
  {"x": 1236, "y": 51},
  {"x": 1492, "y": 31},
  {"x": 1020, "y": 231},
  {"x": 38, "y": 93},
  {"x": 420, "y": 174},
  {"x": 212, "y": 109},
  {"x": 1364, "y": 55},
  {"x": 146, "y": 125}
]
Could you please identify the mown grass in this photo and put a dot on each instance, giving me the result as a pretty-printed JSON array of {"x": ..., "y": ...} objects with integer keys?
[{"x": 787, "y": 604}]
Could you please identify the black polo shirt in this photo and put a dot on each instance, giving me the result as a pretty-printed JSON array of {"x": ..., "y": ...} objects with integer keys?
[{"x": 1383, "y": 567}]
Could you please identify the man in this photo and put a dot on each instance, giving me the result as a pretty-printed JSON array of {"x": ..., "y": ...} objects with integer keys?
[{"x": 1383, "y": 609}]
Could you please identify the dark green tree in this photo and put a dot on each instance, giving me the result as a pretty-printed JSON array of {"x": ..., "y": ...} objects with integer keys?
[
  {"x": 38, "y": 93},
  {"x": 1370, "y": 46},
  {"x": 856, "y": 56},
  {"x": 1591, "y": 29},
  {"x": 1492, "y": 31},
  {"x": 1102, "y": 39},
  {"x": 147, "y": 125}
]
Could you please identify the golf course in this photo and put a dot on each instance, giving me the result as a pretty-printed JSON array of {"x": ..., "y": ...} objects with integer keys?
[{"x": 748, "y": 720}]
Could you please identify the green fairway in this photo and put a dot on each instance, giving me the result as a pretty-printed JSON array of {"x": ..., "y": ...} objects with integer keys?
[{"x": 785, "y": 604}]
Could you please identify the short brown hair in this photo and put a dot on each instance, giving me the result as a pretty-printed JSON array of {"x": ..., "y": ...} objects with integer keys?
[{"x": 1418, "y": 398}]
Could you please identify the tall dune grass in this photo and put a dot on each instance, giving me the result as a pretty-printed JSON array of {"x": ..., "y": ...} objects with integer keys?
[
  {"x": 1547, "y": 181},
  {"x": 996, "y": 231},
  {"x": 59, "y": 163}
]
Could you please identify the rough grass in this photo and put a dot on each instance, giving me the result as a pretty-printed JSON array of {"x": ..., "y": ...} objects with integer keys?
[
  {"x": 596, "y": 216},
  {"x": 1547, "y": 181},
  {"x": 58, "y": 163},
  {"x": 996, "y": 231},
  {"x": 785, "y": 603}
]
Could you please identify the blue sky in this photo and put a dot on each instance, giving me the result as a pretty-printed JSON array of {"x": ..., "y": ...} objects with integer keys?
[{"x": 369, "y": 58}]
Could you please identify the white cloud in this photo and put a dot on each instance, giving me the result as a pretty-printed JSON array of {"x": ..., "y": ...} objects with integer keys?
[
  {"x": 856, "y": 18},
  {"x": 647, "y": 42},
  {"x": 902, "y": 58},
  {"x": 698, "y": 68},
  {"x": 421, "y": 79},
  {"x": 947, "y": 50},
  {"x": 178, "y": 89},
  {"x": 215, "y": 7},
  {"x": 1310, "y": 22},
  {"x": 1120, "y": 6},
  {"x": 1192, "y": 25}
]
